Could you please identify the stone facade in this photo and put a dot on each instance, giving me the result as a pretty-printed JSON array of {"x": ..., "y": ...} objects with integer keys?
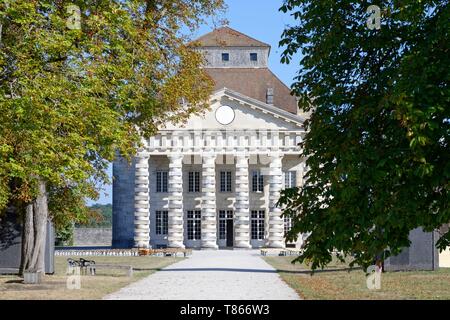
[
  {"x": 260, "y": 134},
  {"x": 92, "y": 236},
  {"x": 260, "y": 138}
]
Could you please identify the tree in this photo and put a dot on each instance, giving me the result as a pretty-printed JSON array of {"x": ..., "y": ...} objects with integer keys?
[
  {"x": 377, "y": 141},
  {"x": 80, "y": 80}
]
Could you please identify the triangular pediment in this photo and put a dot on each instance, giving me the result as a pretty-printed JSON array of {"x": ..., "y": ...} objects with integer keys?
[{"x": 249, "y": 113}]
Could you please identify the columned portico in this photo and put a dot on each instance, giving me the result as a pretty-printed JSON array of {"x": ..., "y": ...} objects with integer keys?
[
  {"x": 254, "y": 124},
  {"x": 141, "y": 201},
  {"x": 175, "y": 190}
]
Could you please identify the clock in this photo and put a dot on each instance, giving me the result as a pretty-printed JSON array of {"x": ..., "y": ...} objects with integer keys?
[{"x": 225, "y": 115}]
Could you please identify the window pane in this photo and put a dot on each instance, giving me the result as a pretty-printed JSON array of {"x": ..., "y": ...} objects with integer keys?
[
  {"x": 254, "y": 181},
  {"x": 165, "y": 181},
  {"x": 254, "y": 229},
  {"x": 222, "y": 181},
  {"x": 225, "y": 57},
  {"x": 158, "y": 222},
  {"x": 287, "y": 224},
  {"x": 190, "y": 182},
  {"x": 229, "y": 181},
  {"x": 197, "y": 181},
  {"x": 293, "y": 179},
  {"x": 222, "y": 229},
  {"x": 260, "y": 182},
  {"x": 262, "y": 213},
  {"x": 158, "y": 182},
  {"x": 165, "y": 222},
  {"x": 161, "y": 181},
  {"x": 253, "y": 57},
  {"x": 190, "y": 229}
]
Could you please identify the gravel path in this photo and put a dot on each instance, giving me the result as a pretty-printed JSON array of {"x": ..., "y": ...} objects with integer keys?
[{"x": 211, "y": 275}]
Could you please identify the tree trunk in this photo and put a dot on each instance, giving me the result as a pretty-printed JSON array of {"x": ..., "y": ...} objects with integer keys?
[{"x": 35, "y": 232}]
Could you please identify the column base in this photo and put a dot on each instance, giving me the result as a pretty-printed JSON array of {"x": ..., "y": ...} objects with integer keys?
[
  {"x": 209, "y": 248},
  {"x": 174, "y": 246},
  {"x": 242, "y": 247},
  {"x": 276, "y": 245}
]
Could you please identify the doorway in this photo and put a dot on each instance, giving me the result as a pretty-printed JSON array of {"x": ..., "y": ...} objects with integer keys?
[
  {"x": 226, "y": 228},
  {"x": 230, "y": 232}
]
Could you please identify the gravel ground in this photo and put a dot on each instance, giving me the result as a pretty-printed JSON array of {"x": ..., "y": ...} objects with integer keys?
[{"x": 211, "y": 275}]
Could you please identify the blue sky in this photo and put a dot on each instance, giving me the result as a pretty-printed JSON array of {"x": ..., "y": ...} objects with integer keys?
[{"x": 259, "y": 19}]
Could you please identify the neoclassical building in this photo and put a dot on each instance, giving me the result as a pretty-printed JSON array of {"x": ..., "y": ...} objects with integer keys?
[{"x": 215, "y": 182}]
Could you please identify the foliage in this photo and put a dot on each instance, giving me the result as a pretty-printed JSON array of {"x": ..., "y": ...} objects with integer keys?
[
  {"x": 377, "y": 141},
  {"x": 100, "y": 217},
  {"x": 71, "y": 98}
]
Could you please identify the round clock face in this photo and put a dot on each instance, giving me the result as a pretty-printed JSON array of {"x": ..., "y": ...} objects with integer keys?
[{"x": 225, "y": 115}]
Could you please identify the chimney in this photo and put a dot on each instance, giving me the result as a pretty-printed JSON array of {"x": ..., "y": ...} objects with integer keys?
[{"x": 269, "y": 96}]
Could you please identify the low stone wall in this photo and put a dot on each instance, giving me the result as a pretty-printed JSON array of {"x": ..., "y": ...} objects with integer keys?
[
  {"x": 92, "y": 236},
  {"x": 96, "y": 253}
]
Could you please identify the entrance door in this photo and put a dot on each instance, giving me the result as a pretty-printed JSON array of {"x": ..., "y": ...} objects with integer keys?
[{"x": 230, "y": 232}]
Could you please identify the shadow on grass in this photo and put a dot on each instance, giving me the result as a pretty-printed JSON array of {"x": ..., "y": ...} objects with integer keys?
[
  {"x": 320, "y": 270},
  {"x": 147, "y": 269},
  {"x": 248, "y": 270},
  {"x": 14, "y": 281}
]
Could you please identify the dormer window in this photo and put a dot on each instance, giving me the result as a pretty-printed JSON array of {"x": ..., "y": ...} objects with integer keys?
[
  {"x": 253, "y": 57},
  {"x": 225, "y": 57}
]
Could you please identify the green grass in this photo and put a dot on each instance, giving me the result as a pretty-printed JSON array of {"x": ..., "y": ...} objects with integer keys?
[
  {"x": 338, "y": 282},
  {"x": 92, "y": 287}
]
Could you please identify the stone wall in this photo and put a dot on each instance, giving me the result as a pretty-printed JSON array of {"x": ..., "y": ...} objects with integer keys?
[
  {"x": 239, "y": 57},
  {"x": 421, "y": 255},
  {"x": 92, "y": 236},
  {"x": 123, "y": 204},
  {"x": 11, "y": 244}
]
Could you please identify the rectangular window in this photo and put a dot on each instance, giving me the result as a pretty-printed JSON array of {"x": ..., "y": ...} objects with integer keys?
[
  {"x": 290, "y": 179},
  {"x": 162, "y": 222},
  {"x": 287, "y": 225},
  {"x": 225, "y": 57},
  {"x": 224, "y": 215},
  {"x": 253, "y": 57},
  {"x": 225, "y": 181},
  {"x": 257, "y": 224},
  {"x": 194, "y": 181},
  {"x": 161, "y": 181},
  {"x": 194, "y": 225},
  {"x": 257, "y": 181}
]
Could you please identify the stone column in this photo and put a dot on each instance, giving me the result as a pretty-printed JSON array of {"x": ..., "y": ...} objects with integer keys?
[
  {"x": 142, "y": 201},
  {"x": 276, "y": 222},
  {"x": 242, "y": 214},
  {"x": 209, "y": 224},
  {"x": 175, "y": 189}
]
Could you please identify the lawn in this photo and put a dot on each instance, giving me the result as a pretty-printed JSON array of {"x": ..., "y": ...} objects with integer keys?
[
  {"x": 92, "y": 287},
  {"x": 338, "y": 282}
]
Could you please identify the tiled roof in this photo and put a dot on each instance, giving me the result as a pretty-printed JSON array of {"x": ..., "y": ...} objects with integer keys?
[
  {"x": 254, "y": 82},
  {"x": 227, "y": 37}
]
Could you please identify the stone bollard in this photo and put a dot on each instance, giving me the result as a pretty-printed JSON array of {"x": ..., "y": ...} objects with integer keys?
[{"x": 32, "y": 277}]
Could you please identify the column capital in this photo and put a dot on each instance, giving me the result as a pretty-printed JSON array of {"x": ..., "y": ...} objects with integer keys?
[
  {"x": 275, "y": 155},
  {"x": 175, "y": 157},
  {"x": 209, "y": 155},
  {"x": 143, "y": 153}
]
